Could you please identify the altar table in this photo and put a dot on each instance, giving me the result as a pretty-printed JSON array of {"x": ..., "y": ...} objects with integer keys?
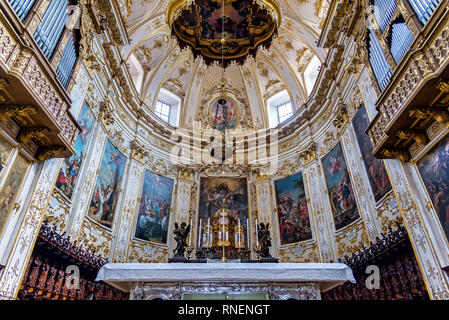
[{"x": 277, "y": 281}]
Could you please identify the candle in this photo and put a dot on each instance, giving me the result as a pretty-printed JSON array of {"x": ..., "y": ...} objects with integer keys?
[
  {"x": 191, "y": 233},
  {"x": 223, "y": 229},
  {"x": 238, "y": 230},
  {"x": 257, "y": 234},
  {"x": 199, "y": 235},
  {"x": 247, "y": 231}
]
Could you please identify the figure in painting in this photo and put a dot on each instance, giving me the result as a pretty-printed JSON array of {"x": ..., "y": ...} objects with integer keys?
[
  {"x": 5, "y": 151},
  {"x": 227, "y": 193},
  {"x": 223, "y": 114},
  {"x": 11, "y": 187},
  {"x": 377, "y": 174},
  {"x": 293, "y": 214},
  {"x": 434, "y": 169},
  {"x": 104, "y": 199},
  {"x": 341, "y": 193},
  {"x": 154, "y": 210},
  {"x": 70, "y": 168},
  {"x": 233, "y": 25}
]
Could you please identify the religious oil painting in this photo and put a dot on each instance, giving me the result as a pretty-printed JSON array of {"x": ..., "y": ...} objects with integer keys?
[
  {"x": 11, "y": 188},
  {"x": 230, "y": 22},
  {"x": 293, "y": 214},
  {"x": 224, "y": 115},
  {"x": 5, "y": 152},
  {"x": 228, "y": 193},
  {"x": 106, "y": 188},
  {"x": 434, "y": 169},
  {"x": 378, "y": 177},
  {"x": 154, "y": 209},
  {"x": 339, "y": 186},
  {"x": 70, "y": 168}
]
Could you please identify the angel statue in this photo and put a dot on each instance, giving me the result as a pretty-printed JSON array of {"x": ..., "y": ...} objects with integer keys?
[
  {"x": 264, "y": 238},
  {"x": 181, "y": 233}
]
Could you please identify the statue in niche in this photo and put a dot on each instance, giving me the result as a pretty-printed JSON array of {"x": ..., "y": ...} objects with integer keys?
[
  {"x": 263, "y": 235},
  {"x": 181, "y": 233}
]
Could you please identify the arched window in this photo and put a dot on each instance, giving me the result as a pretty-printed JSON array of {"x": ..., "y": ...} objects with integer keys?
[
  {"x": 311, "y": 73},
  {"x": 280, "y": 108},
  {"x": 424, "y": 8},
  {"x": 22, "y": 7},
  {"x": 167, "y": 107},
  {"x": 50, "y": 29},
  {"x": 136, "y": 71},
  {"x": 378, "y": 61}
]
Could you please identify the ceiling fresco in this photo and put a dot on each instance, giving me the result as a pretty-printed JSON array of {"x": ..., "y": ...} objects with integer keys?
[{"x": 290, "y": 63}]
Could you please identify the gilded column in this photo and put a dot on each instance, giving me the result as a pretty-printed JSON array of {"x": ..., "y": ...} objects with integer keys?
[{"x": 324, "y": 237}]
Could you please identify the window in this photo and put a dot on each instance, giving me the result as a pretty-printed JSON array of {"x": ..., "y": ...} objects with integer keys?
[
  {"x": 280, "y": 108},
  {"x": 311, "y": 74},
  {"x": 162, "y": 110},
  {"x": 284, "y": 111},
  {"x": 168, "y": 106}
]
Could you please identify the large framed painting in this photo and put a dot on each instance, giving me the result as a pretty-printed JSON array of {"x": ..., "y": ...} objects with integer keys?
[
  {"x": 5, "y": 153},
  {"x": 434, "y": 170},
  {"x": 11, "y": 188},
  {"x": 223, "y": 114},
  {"x": 377, "y": 173},
  {"x": 110, "y": 174},
  {"x": 293, "y": 213},
  {"x": 228, "y": 193},
  {"x": 339, "y": 186},
  {"x": 154, "y": 210},
  {"x": 70, "y": 168}
]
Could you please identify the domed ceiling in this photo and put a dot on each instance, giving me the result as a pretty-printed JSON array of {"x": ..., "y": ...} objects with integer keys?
[{"x": 291, "y": 63}]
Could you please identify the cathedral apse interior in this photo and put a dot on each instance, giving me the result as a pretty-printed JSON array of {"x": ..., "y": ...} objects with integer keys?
[{"x": 269, "y": 133}]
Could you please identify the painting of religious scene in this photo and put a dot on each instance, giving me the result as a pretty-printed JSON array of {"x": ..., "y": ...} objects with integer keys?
[
  {"x": 377, "y": 174},
  {"x": 341, "y": 192},
  {"x": 227, "y": 193},
  {"x": 104, "y": 199},
  {"x": 230, "y": 23},
  {"x": 70, "y": 168},
  {"x": 293, "y": 214},
  {"x": 5, "y": 151},
  {"x": 224, "y": 115},
  {"x": 434, "y": 169},
  {"x": 11, "y": 188},
  {"x": 154, "y": 209}
]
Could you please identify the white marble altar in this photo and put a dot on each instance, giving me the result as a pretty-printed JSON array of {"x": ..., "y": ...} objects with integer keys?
[{"x": 172, "y": 280}]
